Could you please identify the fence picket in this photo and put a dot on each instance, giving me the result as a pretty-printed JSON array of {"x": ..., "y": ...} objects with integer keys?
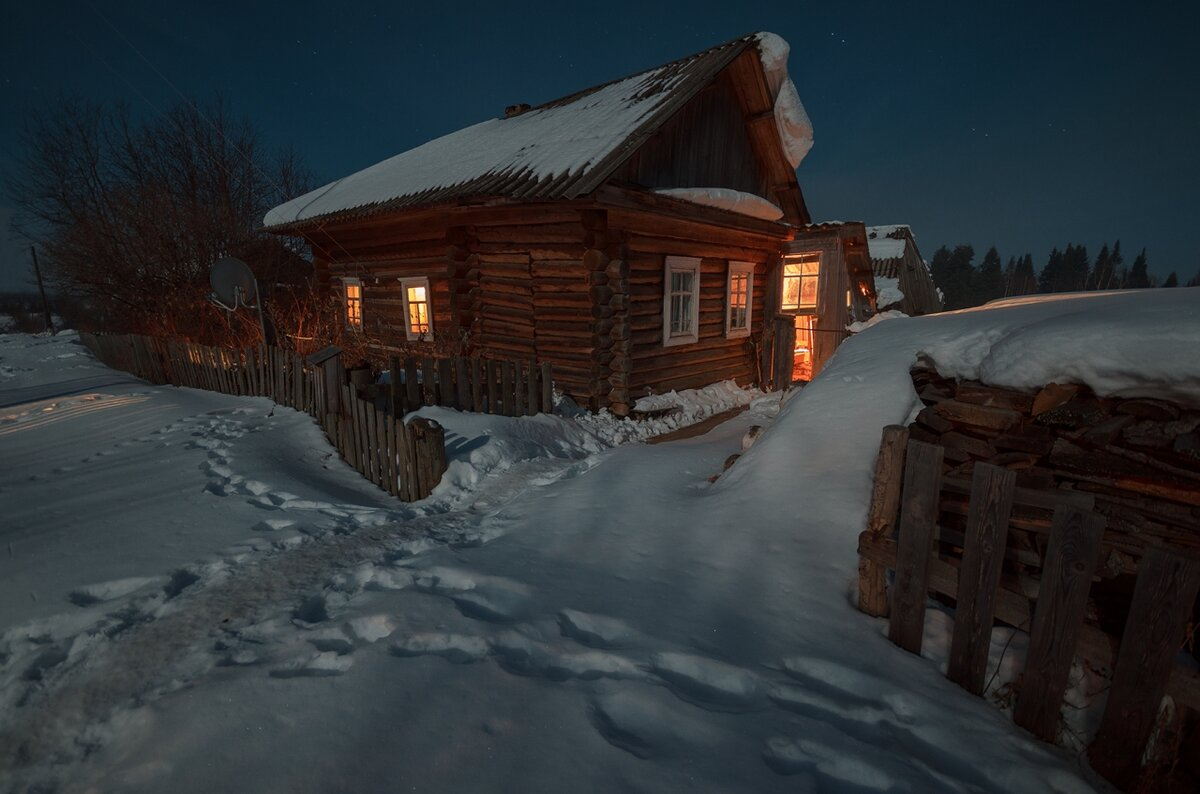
[
  {"x": 1071, "y": 560},
  {"x": 1163, "y": 598},
  {"x": 918, "y": 518},
  {"x": 992, "y": 490}
]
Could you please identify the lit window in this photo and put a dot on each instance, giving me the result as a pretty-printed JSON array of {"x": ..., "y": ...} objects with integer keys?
[
  {"x": 741, "y": 292},
  {"x": 418, "y": 317},
  {"x": 802, "y": 356},
  {"x": 681, "y": 300},
  {"x": 353, "y": 288},
  {"x": 800, "y": 276}
]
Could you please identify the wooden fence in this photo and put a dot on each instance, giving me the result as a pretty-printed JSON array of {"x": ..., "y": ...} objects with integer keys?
[
  {"x": 470, "y": 384},
  {"x": 1143, "y": 668},
  {"x": 405, "y": 459}
]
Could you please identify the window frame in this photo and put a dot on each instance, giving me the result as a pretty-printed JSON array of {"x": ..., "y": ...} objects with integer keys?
[
  {"x": 347, "y": 316},
  {"x": 681, "y": 264},
  {"x": 801, "y": 259},
  {"x": 407, "y": 283},
  {"x": 739, "y": 269}
]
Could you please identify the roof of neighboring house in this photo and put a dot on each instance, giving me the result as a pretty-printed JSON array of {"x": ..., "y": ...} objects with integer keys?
[
  {"x": 564, "y": 148},
  {"x": 887, "y": 248}
]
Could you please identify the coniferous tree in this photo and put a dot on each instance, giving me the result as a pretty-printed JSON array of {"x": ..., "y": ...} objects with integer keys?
[
  {"x": 1075, "y": 268},
  {"x": 960, "y": 278},
  {"x": 1116, "y": 269},
  {"x": 1139, "y": 274},
  {"x": 1025, "y": 281},
  {"x": 989, "y": 280},
  {"x": 1172, "y": 280},
  {"x": 1194, "y": 281},
  {"x": 1050, "y": 279},
  {"x": 1101, "y": 272}
]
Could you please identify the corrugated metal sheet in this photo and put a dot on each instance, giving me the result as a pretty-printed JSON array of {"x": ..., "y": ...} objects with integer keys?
[{"x": 564, "y": 148}]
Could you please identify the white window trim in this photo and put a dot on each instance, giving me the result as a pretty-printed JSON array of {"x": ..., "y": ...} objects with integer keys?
[
  {"x": 739, "y": 268},
  {"x": 677, "y": 264},
  {"x": 352, "y": 282},
  {"x": 417, "y": 281}
]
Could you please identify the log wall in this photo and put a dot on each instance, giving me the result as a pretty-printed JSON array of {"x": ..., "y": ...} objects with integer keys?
[{"x": 650, "y": 239}]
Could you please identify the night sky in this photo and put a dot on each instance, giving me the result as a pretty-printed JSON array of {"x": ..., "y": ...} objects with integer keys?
[{"x": 1026, "y": 126}]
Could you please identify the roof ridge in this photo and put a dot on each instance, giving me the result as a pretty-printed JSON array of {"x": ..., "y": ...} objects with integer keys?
[{"x": 583, "y": 92}]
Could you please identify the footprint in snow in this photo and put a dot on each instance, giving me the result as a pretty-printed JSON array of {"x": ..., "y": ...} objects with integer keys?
[
  {"x": 322, "y": 664},
  {"x": 107, "y": 591},
  {"x": 647, "y": 723},
  {"x": 457, "y": 648},
  {"x": 489, "y": 598},
  {"x": 708, "y": 683},
  {"x": 597, "y": 631}
]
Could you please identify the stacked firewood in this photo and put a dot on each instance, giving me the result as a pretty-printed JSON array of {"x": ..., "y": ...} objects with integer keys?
[{"x": 1134, "y": 461}]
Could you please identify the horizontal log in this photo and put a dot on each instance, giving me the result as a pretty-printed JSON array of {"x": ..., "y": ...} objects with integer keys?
[{"x": 977, "y": 415}]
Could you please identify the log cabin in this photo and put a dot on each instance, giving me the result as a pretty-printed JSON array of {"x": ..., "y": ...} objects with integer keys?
[
  {"x": 642, "y": 235},
  {"x": 902, "y": 279}
]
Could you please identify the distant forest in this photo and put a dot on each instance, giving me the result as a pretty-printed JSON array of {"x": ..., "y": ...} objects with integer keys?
[{"x": 1070, "y": 270}]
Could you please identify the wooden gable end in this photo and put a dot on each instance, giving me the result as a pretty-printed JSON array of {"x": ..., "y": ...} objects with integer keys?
[{"x": 725, "y": 136}]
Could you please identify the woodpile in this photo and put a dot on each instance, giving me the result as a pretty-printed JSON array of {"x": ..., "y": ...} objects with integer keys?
[{"x": 1136, "y": 460}]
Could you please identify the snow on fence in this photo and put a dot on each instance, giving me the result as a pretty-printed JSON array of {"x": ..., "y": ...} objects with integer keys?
[
  {"x": 908, "y": 534},
  {"x": 406, "y": 459}
]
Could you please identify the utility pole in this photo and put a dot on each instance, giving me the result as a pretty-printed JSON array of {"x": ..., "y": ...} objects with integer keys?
[{"x": 45, "y": 304}]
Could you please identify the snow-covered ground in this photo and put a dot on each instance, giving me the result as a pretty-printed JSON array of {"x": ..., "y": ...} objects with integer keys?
[{"x": 197, "y": 595}]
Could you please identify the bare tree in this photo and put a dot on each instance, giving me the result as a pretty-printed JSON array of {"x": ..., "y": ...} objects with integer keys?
[{"x": 131, "y": 213}]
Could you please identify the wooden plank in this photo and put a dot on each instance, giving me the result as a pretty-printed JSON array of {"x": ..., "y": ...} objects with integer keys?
[
  {"x": 372, "y": 443},
  {"x": 506, "y": 388},
  {"x": 519, "y": 392},
  {"x": 396, "y": 395},
  {"x": 447, "y": 394},
  {"x": 412, "y": 388},
  {"x": 477, "y": 390},
  {"x": 533, "y": 398},
  {"x": 462, "y": 380},
  {"x": 979, "y": 576},
  {"x": 1163, "y": 599},
  {"x": 881, "y": 517},
  {"x": 918, "y": 517},
  {"x": 381, "y": 448},
  {"x": 1072, "y": 556},
  {"x": 547, "y": 380},
  {"x": 429, "y": 380},
  {"x": 409, "y": 477},
  {"x": 389, "y": 438}
]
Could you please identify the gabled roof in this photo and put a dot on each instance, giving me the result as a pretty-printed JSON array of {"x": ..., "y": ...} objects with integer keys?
[{"x": 564, "y": 148}]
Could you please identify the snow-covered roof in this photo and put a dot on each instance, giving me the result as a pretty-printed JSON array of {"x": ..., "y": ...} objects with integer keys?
[
  {"x": 561, "y": 149},
  {"x": 886, "y": 244}
]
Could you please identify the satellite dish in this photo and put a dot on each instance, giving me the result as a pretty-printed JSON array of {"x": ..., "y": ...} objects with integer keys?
[
  {"x": 233, "y": 284},
  {"x": 234, "y": 287}
]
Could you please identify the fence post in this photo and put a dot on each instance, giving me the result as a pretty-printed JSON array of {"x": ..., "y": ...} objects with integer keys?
[
  {"x": 397, "y": 391},
  {"x": 1163, "y": 599},
  {"x": 918, "y": 519},
  {"x": 992, "y": 490},
  {"x": 881, "y": 517},
  {"x": 547, "y": 389},
  {"x": 1071, "y": 560}
]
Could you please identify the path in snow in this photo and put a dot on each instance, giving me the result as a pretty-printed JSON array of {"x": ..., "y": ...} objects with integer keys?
[
  {"x": 665, "y": 641},
  {"x": 613, "y": 621}
]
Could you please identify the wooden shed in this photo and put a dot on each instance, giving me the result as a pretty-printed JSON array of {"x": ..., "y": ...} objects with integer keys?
[
  {"x": 641, "y": 236},
  {"x": 902, "y": 279}
]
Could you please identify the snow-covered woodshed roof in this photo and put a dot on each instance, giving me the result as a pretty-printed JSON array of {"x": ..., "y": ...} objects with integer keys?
[
  {"x": 886, "y": 244},
  {"x": 564, "y": 148}
]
